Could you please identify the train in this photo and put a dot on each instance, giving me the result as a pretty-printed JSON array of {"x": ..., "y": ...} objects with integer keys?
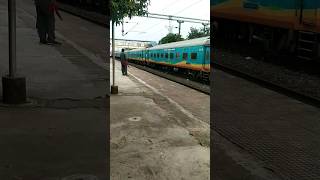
[
  {"x": 291, "y": 26},
  {"x": 100, "y": 6},
  {"x": 191, "y": 57}
]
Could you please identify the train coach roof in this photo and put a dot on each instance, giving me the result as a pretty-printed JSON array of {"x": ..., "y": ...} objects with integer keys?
[
  {"x": 192, "y": 42},
  {"x": 138, "y": 49}
]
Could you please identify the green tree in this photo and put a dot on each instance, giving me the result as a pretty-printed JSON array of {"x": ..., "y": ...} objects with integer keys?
[
  {"x": 171, "y": 38},
  {"x": 127, "y": 8},
  {"x": 197, "y": 33}
]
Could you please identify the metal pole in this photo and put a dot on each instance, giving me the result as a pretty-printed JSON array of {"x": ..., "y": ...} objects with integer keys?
[
  {"x": 179, "y": 21},
  {"x": 170, "y": 26},
  {"x": 113, "y": 55},
  {"x": 122, "y": 29},
  {"x": 12, "y": 38}
]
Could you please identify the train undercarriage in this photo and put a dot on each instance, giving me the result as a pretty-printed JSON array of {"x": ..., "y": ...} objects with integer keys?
[
  {"x": 270, "y": 40},
  {"x": 199, "y": 76}
]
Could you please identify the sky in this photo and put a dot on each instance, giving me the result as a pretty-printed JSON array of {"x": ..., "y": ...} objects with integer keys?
[{"x": 149, "y": 29}]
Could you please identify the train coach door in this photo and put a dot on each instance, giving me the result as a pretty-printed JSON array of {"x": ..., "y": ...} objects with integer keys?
[
  {"x": 206, "y": 62},
  {"x": 308, "y": 12},
  {"x": 147, "y": 57}
]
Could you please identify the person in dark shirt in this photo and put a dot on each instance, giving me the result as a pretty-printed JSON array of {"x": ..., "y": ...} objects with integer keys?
[{"x": 124, "y": 63}]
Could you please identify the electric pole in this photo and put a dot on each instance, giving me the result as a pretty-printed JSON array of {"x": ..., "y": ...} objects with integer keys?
[
  {"x": 205, "y": 26},
  {"x": 170, "y": 26},
  {"x": 180, "y": 21}
]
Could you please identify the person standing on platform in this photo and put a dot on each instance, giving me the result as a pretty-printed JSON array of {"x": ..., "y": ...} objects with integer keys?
[
  {"x": 45, "y": 24},
  {"x": 42, "y": 9},
  {"x": 53, "y": 9},
  {"x": 124, "y": 63}
]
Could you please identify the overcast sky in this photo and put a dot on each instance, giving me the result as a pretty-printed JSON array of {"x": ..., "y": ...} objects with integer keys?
[{"x": 141, "y": 28}]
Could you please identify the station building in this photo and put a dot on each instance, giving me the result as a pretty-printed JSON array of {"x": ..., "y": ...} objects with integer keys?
[{"x": 130, "y": 44}]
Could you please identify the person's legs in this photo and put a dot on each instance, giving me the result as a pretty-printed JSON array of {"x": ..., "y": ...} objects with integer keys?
[
  {"x": 51, "y": 28},
  {"x": 126, "y": 69},
  {"x": 51, "y": 31},
  {"x": 123, "y": 69},
  {"x": 37, "y": 21},
  {"x": 42, "y": 27}
]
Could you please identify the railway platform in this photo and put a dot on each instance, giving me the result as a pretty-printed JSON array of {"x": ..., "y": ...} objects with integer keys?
[
  {"x": 61, "y": 131},
  {"x": 274, "y": 133},
  {"x": 152, "y": 136}
]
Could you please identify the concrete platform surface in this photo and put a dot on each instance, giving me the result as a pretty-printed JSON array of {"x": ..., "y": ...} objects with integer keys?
[
  {"x": 62, "y": 130},
  {"x": 282, "y": 133},
  {"x": 151, "y": 138}
]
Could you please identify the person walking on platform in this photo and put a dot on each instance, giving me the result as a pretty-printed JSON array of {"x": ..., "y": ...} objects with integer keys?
[
  {"x": 53, "y": 9},
  {"x": 45, "y": 24},
  {"x": 124, "y": 63}
]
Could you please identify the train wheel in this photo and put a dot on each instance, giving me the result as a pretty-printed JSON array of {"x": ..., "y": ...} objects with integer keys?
[{"x": 191, "y": 74}]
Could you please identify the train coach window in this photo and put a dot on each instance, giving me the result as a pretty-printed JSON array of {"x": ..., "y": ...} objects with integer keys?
[
  {"x": 161, "y": 55},
  {"x": 177, "y": 55},
  {"x": 185, "y": 56},
  {"x": 207, "y": 56},
  {"x": 193, "y": 55},
  {"x": 171, "y": 55},
  {"x": 151, "y": 55},
  {"x": 167, "y": 55},
  {"x": 158, "y": 55}
]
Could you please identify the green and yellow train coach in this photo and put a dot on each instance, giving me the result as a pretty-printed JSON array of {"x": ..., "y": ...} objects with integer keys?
[
  {"x": 283, "y": 25},
  {"x": 191, "y": 56}
]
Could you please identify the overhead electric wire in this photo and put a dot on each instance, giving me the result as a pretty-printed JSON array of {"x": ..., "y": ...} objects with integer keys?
[
  {"x": 188, "y": 7},
  {"x": 155, "y": 25},
  {"x": 147, "y": 30},
  {"x": 169, "y": 5},
  {"x": 130, "y": 30}
]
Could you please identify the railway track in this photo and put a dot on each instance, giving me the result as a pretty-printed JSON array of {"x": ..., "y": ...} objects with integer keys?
[
  {"x": 307, "y": 98},
  {"x": 103, "y": 21},
  {"x": 91, "y": 16},
  {"x": 186, "y": 82}
]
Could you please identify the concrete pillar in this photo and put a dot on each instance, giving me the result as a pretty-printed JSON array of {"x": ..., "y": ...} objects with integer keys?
[
  {"x": 114, "y": 88},
  {"x": 13, "y": 87}
]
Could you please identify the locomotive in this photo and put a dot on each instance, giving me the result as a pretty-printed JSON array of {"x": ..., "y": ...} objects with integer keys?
[
  {"x": 191, "y": 57},
  {"x": 291, "y": 26}
]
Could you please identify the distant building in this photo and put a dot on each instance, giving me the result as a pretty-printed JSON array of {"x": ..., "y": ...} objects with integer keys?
[{"x": 130, "y": 44}]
